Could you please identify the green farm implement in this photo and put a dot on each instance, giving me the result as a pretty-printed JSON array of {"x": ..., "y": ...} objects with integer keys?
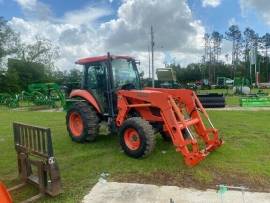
[
  {"x": 45, "y": 94},
  {"x": 11, "y": 101},
  {"x": 255, "y": 100},
  {"x": 38, "y": 94}
]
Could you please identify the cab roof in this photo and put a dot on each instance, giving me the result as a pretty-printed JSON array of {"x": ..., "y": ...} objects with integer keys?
[{"x": 88, "y": 60}]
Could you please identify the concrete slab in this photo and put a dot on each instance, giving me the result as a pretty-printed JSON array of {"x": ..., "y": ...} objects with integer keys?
[{"x": 113, "y": 192}]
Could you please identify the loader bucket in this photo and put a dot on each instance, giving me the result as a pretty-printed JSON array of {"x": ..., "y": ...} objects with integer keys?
[{"x": 4, "y": 195}]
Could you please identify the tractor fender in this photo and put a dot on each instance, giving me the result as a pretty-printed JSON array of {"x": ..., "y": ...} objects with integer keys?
[{"x": 87, "y": 96}]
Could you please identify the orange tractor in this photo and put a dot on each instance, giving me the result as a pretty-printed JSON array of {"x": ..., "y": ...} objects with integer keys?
[{"x": 111, "y": 91}]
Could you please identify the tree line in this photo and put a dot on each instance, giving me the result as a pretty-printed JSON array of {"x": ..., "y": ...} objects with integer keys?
[{"x": 243, "y": 44}]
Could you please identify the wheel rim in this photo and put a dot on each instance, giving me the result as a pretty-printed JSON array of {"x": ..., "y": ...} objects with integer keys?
[
  {"x": 75, "y": 124},
  {"x": 132, "y": 139}
]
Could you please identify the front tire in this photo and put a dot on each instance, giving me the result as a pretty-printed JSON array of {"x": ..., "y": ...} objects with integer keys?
[
  {"x": 82, "y": 122},
  {"x": 137, "y": 137}
]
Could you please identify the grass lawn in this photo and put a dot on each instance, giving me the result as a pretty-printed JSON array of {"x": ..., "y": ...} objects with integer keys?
[
  {"x": 232, "y": 100},
  {"x": 243, "y": 159}
]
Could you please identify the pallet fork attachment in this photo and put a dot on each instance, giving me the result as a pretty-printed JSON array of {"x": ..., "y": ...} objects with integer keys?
[
  {"x": 34, "y": 149},
  {"x": 176, "y": 110}
]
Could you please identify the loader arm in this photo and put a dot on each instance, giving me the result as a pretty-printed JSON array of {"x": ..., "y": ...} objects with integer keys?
[{"x": 175, "y": 110}]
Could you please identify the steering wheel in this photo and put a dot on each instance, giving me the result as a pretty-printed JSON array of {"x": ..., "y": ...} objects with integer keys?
[{"x": 128, "y": 86}]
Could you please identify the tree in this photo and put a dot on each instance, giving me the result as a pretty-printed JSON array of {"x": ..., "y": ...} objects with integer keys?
[
  {"x": 250, "y": 43},
  {"x": 59, "y": 76},
  {"x": 67, "y": 77},
  {"x": 207, "y": 48},
  {"x": 24, "y": 73},
  {"x": 8, "y": 40},
  {"x": 216, "y": 39},
  {"x": 248, "y": 36},
  {"x": 265, "y": 45},
  {"x": 74, "y": 75},
  {"x": 216, "y": 43},
  {"x": 212, "y": 50},
  {"x": 3, "y": 81},
  {"x": 12, "y": 82},
  {"x": 234, "y": 34},
  {"x": 41, "y": 51}
]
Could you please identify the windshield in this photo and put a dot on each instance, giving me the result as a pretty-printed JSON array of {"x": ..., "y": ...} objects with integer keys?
[{"x": 125, "y": 72}]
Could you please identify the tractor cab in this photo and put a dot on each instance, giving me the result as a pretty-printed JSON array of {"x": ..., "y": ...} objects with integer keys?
[{"x": 103, "y": 76}]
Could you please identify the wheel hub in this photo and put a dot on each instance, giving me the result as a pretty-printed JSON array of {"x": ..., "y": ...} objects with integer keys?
[
  {"x": 132, "y": 139},
  {"x": 76, "y": 124}
]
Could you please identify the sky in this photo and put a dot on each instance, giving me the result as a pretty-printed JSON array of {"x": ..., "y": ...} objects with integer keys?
[{"x": 82, "y": 28}]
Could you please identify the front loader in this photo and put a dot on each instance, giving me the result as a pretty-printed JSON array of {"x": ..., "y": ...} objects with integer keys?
[{"x": 111, "y": 91}]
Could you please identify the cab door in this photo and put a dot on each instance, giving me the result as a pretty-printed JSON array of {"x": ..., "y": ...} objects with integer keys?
[{"x": 95, "y": 82}]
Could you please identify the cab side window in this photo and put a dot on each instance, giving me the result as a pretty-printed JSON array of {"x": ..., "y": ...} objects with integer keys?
[
  {"x": 96, "y": 76},
  {"x": 96, "y": 82}
]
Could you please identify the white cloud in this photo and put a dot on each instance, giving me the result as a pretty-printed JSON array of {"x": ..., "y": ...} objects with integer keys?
[
  {"x": 74, "y": 41},
  {"x": 78, "y": 33},
  {"x": 75, "y": 33},
  {"x": 176, "y": 33},
  {"x": 211, "y": 3},
  {"x": 85, "y": 16},
  {"x": 27, "y": 4},
  {"x": 132, "y": 27},
  {"x": 35, "y": 9},
  {"x": 262, "y": 8}
]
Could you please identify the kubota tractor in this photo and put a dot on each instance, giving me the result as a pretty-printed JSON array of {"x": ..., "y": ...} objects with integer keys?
[{"x": 111, "y": 91}]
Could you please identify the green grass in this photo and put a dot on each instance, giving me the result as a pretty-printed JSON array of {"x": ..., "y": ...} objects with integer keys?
[
  {"x": 232, "y": 100},
  {"x": 244, "y": 158}
]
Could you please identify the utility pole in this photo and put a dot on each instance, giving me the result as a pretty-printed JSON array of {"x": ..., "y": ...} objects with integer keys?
[
  {"x": 152, "y": 50},
  {"x": 149, "y": 62}
]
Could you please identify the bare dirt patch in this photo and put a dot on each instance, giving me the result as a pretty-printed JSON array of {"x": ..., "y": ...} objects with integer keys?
[{"x": 187, "y": 180}]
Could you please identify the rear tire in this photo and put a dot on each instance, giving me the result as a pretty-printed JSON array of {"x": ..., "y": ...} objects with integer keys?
[
  {"x": 82, "y": 122},
  {"x": 137, "y": 137}
]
